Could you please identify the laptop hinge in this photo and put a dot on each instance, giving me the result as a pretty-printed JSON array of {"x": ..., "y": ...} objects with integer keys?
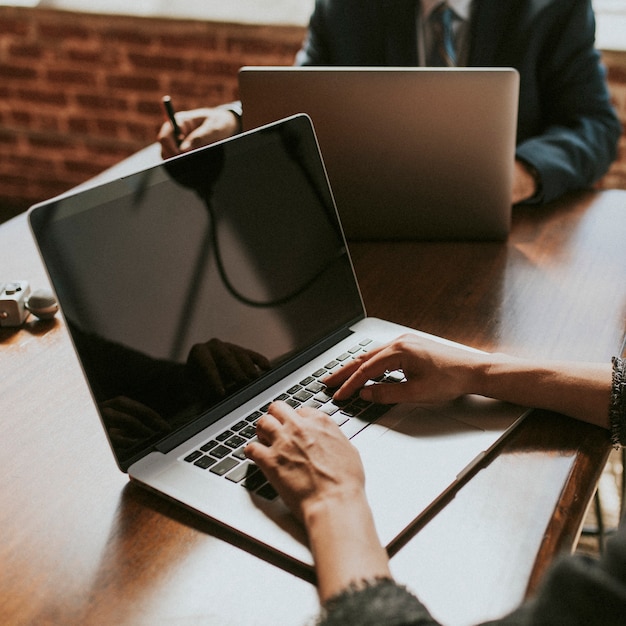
[{"x": 230, "y": 404}]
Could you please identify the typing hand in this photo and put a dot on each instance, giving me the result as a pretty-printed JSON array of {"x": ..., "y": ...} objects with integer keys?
[
  {"x": 434, "y": 372},
  {"x": 306, "y": 458}
]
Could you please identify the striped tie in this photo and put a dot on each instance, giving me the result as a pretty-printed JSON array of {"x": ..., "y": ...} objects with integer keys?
[{"x": 442, "y": 53}]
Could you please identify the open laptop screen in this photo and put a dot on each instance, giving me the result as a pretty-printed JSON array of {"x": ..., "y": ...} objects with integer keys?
[{"x": 188, "y": 282}]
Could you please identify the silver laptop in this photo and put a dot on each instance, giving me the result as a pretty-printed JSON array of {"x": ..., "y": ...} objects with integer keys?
[
  {"x": 411, "y": 153},
  {"x": 200, "y": 290}
]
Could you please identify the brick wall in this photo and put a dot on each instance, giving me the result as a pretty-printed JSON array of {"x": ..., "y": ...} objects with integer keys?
[
  {"x": 79, "y": 92},
  {"x": 616, "y": 65}
]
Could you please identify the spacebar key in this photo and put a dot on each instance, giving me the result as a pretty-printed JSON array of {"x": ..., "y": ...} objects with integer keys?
[{"x": 353, "y": 426}]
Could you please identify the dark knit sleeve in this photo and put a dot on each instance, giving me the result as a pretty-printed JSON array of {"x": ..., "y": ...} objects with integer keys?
[
  {"x": 617, "y": 409},
  {"x": 374, "y": 603}
]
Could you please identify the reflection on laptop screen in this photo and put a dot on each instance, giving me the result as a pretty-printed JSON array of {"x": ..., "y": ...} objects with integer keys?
[{"x": 197, "y": 278}]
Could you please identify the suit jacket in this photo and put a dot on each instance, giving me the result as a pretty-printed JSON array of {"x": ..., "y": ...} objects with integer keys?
[{"x": 567, "y": 128}]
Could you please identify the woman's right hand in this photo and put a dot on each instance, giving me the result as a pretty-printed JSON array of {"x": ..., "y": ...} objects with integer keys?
[{"x": 435, "y": 372}]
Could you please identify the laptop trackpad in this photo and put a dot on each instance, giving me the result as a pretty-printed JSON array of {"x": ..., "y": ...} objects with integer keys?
[{"x": 413, "y": 455}]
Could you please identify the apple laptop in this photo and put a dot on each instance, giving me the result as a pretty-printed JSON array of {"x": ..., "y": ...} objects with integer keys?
[
  {"x": 198, "y": 291},
  {"x": 412, "y": 153}
]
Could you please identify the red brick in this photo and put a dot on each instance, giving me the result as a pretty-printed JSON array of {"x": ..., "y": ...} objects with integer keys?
[
  {"x": 133, "y": 83},
  {"x": 79, "y": 125},
  {"x": 98, "y": 102},
  {"x": 84, "y": 56},
  {"x": 201, "y": 93},
  {"x": 7, "y": 137},
  {"x": 220, "y": 67},
  {"x": 160, "y": 62},
  {"x": 14, "y": 25},
  {"x": 150, "y": 108},
  {"x": 10, "y": 71},
  {"x": 26, "y": 50},
  {"x": 55, "y": 141},
  {"x": 39, "y": 96},
  {"x": 136, "y": 36},
  {"x": 71, "y": 77},
  {"x": 63, "y": 30},
  {"x": 200, "y": 44},
  {"x": 616, "y": 74},
  {"x": 21, "y": 117}
]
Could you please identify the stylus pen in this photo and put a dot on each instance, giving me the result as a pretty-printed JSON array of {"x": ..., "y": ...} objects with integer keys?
[{"x": 169, "y": 110}]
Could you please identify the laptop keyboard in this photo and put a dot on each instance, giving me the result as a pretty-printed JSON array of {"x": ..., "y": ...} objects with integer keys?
[{"x": 223, "y": 454}]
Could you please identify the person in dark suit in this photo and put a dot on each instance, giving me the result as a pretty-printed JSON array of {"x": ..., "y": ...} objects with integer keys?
[{"x": 567, "y": 129}]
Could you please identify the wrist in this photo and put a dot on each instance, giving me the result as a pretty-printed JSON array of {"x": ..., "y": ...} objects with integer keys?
[
  {"x": 235, "y": 109},
  {"x": 344, "y": 542},
  {"x": 527, "y": 182},
  {"x": 321, "y": 509},
  {"x": 488, "y": 373}
]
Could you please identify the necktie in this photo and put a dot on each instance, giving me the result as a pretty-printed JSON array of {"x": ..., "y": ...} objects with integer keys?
[{"x": 442, "y": 53}]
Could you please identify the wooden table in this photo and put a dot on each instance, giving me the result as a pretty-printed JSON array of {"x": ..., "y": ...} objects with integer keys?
[{"x": 80, "y": 545}]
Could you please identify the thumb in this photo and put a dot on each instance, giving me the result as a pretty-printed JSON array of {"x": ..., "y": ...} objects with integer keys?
[{"x": 389, "y": 393}]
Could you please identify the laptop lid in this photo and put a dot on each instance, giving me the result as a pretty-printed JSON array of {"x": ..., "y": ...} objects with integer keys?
[
  {"x": 411, "y": 153},
  {"x": 235, "y": 247}
]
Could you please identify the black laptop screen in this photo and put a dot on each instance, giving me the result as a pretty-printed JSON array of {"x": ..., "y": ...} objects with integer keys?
[{"x": 198, "y": 278}]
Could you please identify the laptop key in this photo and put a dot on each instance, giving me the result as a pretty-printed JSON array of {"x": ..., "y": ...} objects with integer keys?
[
  {"x": 209, "y": 445},
  {"x": 351, "y": 411},
  {"x": 224, "y": 466},
  {"x": 315, "y": 386},
  {"x": 323, "y": 397},
  {"x": 193, "y": 456},
  {"x": 239, "y": 453},
  {"x": 340, "y": 418},
  {"x": 240, "y": 472},
  {"x": 268, "y": 492},
  {"x": 235, "y": 441},
  {"x": 303, "y": 395},
  {"x": 254, "y": 479},
  {"x": 248, "y": 432},
  {"x": 220, "y": 452},
  {"x": 329, "y": 408},
  {"x": 396, "y": 376},
  {"x": 373, "y": 412},
  {"x": 314, "y": 404},
  {"x": 205, "y": 462}
]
